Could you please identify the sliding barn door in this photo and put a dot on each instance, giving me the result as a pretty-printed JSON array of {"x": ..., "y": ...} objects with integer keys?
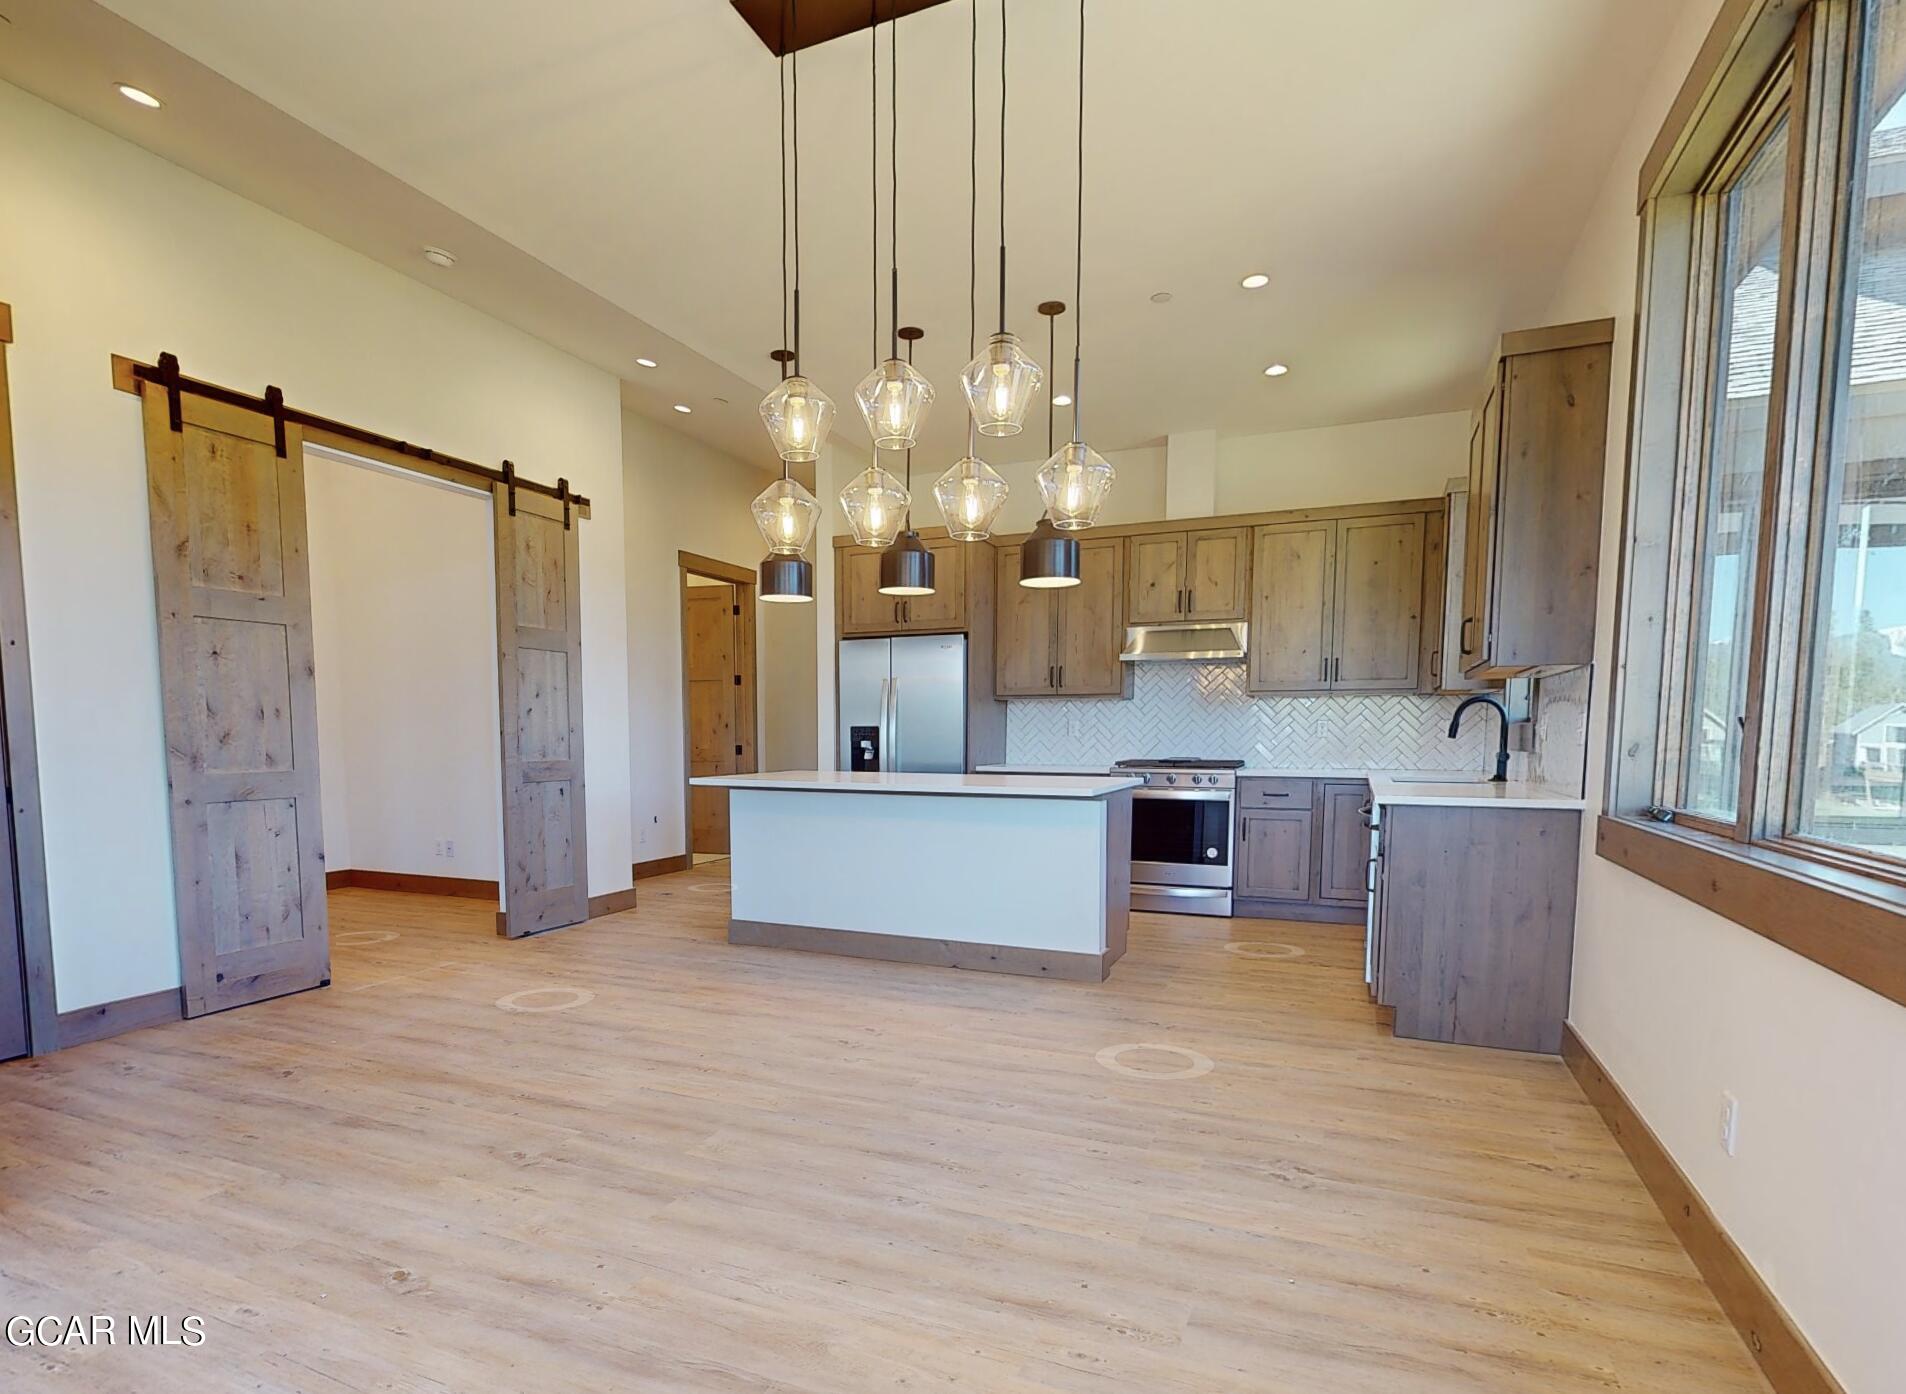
[
  {"x": 539, "y": 665},
  {"x": 241, "y": 716}
]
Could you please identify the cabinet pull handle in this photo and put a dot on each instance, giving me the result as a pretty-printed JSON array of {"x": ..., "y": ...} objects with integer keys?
[
  {"x": 1463, "y": 637},
  {"x": 1436, "y": 667},
  {"x": 1370, "y": 877},
  {"x": 1062, "y": 675},
  {"x": 1052, "y": 676}
]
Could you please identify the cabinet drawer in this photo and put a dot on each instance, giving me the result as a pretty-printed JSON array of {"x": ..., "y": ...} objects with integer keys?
[{"x": 1275, "y": 793}]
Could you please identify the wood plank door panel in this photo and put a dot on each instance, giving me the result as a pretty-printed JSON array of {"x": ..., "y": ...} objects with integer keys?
[
  {"x": 1378, "y": 614},
  {"x": 239, "y": 685},
  {"x": 1157, "y": 562},
  {"x": 1346, "y": 849},
  {"x": 863, "y": 609},
  {"x": 1274, "y": 855},
  {"x": 1025, "y": 660},
  {"x": 1292, "y": 592},
  {"x": 539, "y": 670},
  {"x": 710, "y": 620},
  {"x": 1092, "y": 624},
  {"x": 1217, "y": 573}
]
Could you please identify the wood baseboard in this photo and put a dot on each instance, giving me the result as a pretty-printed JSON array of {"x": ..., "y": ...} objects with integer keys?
[
  {"x": 1245, "y": 908},
  {"x": 410, "y": 883},
  {"x": 1790, "y": 1364},
  {"x": 937, "y": 953},
  {"x": 96, "y": 1023},
  {"x": 612, "y": 902},
  {"x": 661, "y": 866}
]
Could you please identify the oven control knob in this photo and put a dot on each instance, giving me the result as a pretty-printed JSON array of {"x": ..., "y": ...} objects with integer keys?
[
  {"x": 1171, "y": 779},
  {"x": 1211, "y": 854}
]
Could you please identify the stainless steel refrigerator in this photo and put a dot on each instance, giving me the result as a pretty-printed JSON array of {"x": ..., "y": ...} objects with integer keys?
[{"x": 903, "y": 704}]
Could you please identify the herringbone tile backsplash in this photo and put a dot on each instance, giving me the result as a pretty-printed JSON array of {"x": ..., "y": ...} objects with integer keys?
[{"x": 1202, "y": 709}]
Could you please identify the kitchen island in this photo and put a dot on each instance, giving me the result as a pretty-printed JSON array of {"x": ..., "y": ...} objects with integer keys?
[{"x": 1005, "y": 874}]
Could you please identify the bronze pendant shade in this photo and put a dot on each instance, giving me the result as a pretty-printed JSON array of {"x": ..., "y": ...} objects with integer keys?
[
  {"x": 786, "y": 579},
  {"x": 1048, "y": 559},
  {"x": 906, "y": 568}
]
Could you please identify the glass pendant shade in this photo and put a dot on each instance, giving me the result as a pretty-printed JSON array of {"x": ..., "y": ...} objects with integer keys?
[
  {"x": 876, "y": 506},
  {"x": 786, "y": 579},
  {"x": 1074, "y": 483},
  {"x": 1048, "y": 559},
  {"x": 786, "y": 514},
  {"x": 1001, "y": 384},
  {"x": 798, "y": 416},
  {"x": 971, "y": 495},
  {"x": 893, "y": 399},
  {"x": 906, "y": 568}
]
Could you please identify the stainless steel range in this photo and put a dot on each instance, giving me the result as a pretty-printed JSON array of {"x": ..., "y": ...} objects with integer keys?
[{"x": 1181, "y": 834}]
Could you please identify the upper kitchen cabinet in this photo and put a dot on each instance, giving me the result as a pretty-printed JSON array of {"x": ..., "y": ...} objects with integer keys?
[
  {"x": 1337, "y": 604},
  {"x": 865, "y": 611},
  {"x": 1063, "y": 642},
  {"x": 1533, "y": 538},
  {"x": 1198, "y": 575}
]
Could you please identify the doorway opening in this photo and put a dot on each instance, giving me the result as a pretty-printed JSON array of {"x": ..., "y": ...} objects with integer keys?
[
  {"x": 718, "y": 694},
  {"x": 403, "y": 617}
]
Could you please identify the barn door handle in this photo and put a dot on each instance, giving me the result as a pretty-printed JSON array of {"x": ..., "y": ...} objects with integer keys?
[{"x": 509, "y": 486}]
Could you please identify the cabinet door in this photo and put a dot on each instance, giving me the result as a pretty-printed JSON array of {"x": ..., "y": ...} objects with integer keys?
[
  {"x": 863, "y": 609},
  {"x": 945, "y": 609},
  {"x": 1025, "y": 663},
  {"x": 1291, "y": 597},
  {"x": 1092, "y": 623},
  {"x": 1217, "y": 573},
  {"x": 1485, "y": 453},
  {"x": 1158, "y": 578},
  {"x": 1449, "y": 676},
  {"x": 1346, "y": 851},
  {"x": 1378, "y": 615},
  {"x": 1274, "y": 861}
]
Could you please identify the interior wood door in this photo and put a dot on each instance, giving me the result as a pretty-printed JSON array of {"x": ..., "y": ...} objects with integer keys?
[
  {"x": 1092, "y": 623},
  {"x": 1025, "y": 660},
  {"x": 239, "y": 685},
  {"x": 1377, "y": 617},
  {"x": 14, "y": 1037},
  {"x": 711, "y": 663},
  {"x": 1292, "y": 591},
  {"x": 539, "y": 670},
  {"x": 945, "y": 609},
  {"x": 1157, "y": 578},
  {"x": 1217, "y": 572}
]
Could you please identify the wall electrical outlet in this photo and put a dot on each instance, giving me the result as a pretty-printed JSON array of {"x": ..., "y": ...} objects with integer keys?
[
  {"x": 450, "y": 850},
  {"x": 1730, "y": 1123}
]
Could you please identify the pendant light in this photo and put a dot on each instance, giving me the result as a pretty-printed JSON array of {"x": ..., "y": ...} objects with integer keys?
[
  {"x": 798, "y": 415},
  {"x": 906, "y": 568},
  {"x": 1076, "y": 479},
  {"x": 894, "y": 397},
  {"x": 971, "y": 493},
  {"x": 1001, "y": 383},
  {"x": 1049, "y": 559}
]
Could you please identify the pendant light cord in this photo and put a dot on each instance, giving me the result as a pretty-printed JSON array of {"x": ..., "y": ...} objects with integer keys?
[
  {"x": 873, "y": 166},
  {"x": 972, "y": 219},
  {"x": 893, "y": 168},
  {"x": 795, "y": 6},
  {"x": 1078, "y": 249},
  {"x": 1002, "y": 166},
  {"x": 784, "y": 191}
]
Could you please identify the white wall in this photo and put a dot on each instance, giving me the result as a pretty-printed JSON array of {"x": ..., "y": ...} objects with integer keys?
[
  {"x": 104, "y": 248},
  {"x": 403, "y": 618},
  {"x": 1410, "y": 457},
  {"x": 683, "y": 495},
  {"x": 1681, "y": 1005}
]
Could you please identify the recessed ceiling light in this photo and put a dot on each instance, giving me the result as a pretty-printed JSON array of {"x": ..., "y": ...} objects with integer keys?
[
  {"x": 139, "y": 95},
  {"x": 1062, "y": 400},
  {"x": 437, "y": 256},
  {"x": 684, "y": 408},
  {"x": 645, "y": 362},
  {"x": 1161, "y": 297},
  {"x": 1276, "y": 370},
  {"x": 1257, "y": 280}
]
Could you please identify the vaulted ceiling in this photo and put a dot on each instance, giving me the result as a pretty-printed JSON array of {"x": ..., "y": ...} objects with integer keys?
[{"x": 1410, "y": 176}]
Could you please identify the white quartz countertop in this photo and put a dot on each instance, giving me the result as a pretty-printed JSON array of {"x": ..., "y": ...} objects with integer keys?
[
  {"x": 1096, "y": 785},
  {"x": 1519, "y": 793}
]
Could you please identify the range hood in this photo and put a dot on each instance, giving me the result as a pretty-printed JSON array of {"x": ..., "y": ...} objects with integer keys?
[{"x": 1185, "y": 643}]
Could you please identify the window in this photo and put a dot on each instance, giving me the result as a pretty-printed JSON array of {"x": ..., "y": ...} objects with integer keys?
[{"x": 1762, "y": 698}]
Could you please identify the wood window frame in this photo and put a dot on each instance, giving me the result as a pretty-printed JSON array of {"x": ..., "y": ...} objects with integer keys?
[
  {"x": 16, "y": 679},
  {"x": 1824, "y": 902}
]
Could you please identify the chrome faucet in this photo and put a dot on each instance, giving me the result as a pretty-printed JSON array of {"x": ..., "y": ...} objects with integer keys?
[{"x": 1501, "y": 775}]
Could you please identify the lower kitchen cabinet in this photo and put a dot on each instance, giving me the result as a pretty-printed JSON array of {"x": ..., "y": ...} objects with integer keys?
[
  {"x": 1302, "y": 849},
  {"x": 1474, "y": 923}
]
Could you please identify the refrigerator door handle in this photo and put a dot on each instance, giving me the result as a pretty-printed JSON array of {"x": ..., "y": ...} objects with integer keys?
[
  {"x": 884, "y": 761},
  {"x": 893, "y": 721}
]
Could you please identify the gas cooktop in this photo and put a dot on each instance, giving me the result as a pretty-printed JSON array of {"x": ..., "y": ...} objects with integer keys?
[{"x": 1178, "y": 762}]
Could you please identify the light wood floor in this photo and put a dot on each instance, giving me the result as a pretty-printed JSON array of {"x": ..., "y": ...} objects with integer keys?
[{"x": 755, "y": 1170}]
